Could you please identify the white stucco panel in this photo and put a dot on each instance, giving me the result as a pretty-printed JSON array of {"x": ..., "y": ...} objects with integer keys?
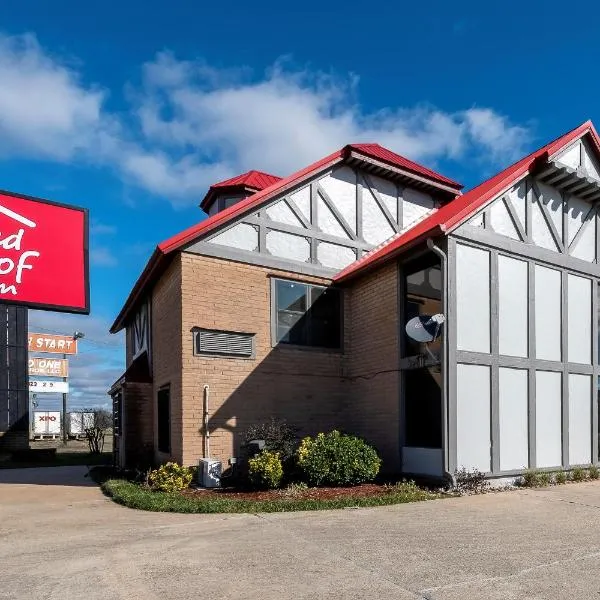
[
  {"x": 387, "y": 192},
  {"x": 476, "y": 221},
  {"x": 472, "y": 299},
  {"x": 548, "y": 419},
  {"x": 571, "y": 156},
  {"x": 579, "y": 319},
  {"x": 518, "y": 198},
  {"x": 286, "y": 245},
  {"x": 327, "y": 221},
  {"x": 580, "y": 419},
  {"x": 553, "y": 201},
  {"x": 282, "y": 213},
  {"x": 302, "y": 200},
  {"x": 334, "y": 256},
  {"x": 241, "y": 236},
  {"x": 590, "y": 163},
  {"x": 376, "y": 228},
  {"x": 340, "y": 186},
  {"x": 548, "y": 299},
  {"x": 473, "y": 401},
  {"x": 501, "y": 221},
  {"x": 577, "y": 211},
  {"x": 540, "y": 232},
  {"x": 514, "y": 420},
  {"x": 415, "y": 205},
  {"x": 585, "y": 246}
]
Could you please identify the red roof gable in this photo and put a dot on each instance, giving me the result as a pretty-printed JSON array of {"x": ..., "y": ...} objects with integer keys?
[
  {"x": 377, "y": 151},
  {"x": 457, "y": 211},
  {"x": 252, "y": 181},
  {"x": 158, "y": 263}
]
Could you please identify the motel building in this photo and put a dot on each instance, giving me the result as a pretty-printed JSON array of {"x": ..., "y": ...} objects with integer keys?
[{"x": 292, "y": 299}]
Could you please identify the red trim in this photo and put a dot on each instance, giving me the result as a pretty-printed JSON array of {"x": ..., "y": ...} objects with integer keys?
[
  {"x": 155, "y": 265},
  {"x": 381, "y": 153},
  {"x": 457, "y": 211},
  {"x": 246, "y": 183}
]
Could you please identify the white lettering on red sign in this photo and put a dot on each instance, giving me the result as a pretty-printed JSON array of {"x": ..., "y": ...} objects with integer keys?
[{"x": 16, "y": 264}]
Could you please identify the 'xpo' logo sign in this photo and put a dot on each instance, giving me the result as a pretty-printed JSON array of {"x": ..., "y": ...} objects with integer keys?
[{"x": 43, "y": 254}]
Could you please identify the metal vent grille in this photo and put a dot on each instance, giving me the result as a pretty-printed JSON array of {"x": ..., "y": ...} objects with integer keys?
[{"x": 225, "y": 343}]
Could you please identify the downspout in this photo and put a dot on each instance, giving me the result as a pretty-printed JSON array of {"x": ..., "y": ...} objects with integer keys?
[
  {"x": 206, "y": 449},
  {"x": 445, "y": 379}
]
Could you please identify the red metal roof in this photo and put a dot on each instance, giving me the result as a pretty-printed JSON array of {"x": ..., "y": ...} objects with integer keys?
[
  {"x": 457, "y": 211},
  {"x": 252, "y": 181},
  {"x": 158, "y": 263},
  {"x": 377, "y": 151}
]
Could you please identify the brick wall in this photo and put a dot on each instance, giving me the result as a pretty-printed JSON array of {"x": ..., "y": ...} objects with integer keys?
[
  {"x": 138, "y": 422},
  {"x": 304, "y": 386},
  {"x": 372, "y": 360},
  {"x": 166, "y": 353}
]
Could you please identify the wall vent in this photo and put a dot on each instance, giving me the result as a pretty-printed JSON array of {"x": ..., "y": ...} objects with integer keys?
[{"x": 224, "y": 343}]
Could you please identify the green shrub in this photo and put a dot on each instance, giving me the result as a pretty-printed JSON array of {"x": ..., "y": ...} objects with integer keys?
[
  {"x": 265, "y": 470},
  {"x": 535, "y": 478},
  {"x": 470, "y": 482},
  {"x": 278, "y": 436},
  {"x": 560, "y": 478},
  {"x": 336, "y": 459},
  {"x": 578, "y": 474},
  {"x": 170, "y": 477},
  {"x": 594, "y": 472}
]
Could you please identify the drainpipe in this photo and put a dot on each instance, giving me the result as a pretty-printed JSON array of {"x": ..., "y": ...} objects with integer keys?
[
  {"x": 445, "y": 380},
  {"x": 205, "y": 423}
]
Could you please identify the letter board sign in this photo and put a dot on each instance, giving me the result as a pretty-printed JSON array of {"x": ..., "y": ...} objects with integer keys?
[{"x": 43, "y": 254}]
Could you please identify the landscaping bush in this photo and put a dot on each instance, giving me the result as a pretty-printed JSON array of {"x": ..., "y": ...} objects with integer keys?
[
  {"x": 170, "y": 477},
  {"x": 594, "y": 472},
  {"x": 560, "y": 478},
  {"x": 578, "y": 474},
  {"x": 265, "y": 470},
  {"x": 470, "y": 482},
  {"x": 278, "y": 436},
  {"x": 535, "y": 478},
  {"x": 336, "y": 459}
]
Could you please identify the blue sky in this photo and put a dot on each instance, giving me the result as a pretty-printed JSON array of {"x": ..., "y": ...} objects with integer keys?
[{"x": 134, "y": 108}]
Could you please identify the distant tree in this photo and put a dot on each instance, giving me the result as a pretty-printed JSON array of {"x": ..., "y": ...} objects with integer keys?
[{"x": 95, "y": 428}]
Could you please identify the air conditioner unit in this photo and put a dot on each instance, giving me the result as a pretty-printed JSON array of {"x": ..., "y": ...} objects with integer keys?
[{"x": 209, "y": 473}]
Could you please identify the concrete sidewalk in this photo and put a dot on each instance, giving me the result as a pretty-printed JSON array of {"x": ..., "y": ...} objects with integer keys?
[{"x": 68, "y": 541}]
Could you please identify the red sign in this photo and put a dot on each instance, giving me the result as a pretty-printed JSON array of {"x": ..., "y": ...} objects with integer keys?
[{"x": 43, "y": 254}]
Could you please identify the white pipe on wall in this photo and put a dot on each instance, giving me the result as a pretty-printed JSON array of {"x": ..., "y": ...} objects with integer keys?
[{"x": 205, "y": 423}]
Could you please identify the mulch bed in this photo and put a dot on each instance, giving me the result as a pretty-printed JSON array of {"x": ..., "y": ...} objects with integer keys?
[{"x": 321, "y": 493}]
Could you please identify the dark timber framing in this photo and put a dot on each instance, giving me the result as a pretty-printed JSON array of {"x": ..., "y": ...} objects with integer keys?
[
  {"x": 498, "y": 245},
  {"x": 307, "y": 226}
]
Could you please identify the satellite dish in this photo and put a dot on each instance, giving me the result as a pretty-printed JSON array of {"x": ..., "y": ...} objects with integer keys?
[{"x": 425, "y": 328}]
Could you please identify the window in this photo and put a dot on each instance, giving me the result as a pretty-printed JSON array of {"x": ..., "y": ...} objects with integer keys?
[
  {"x": 164, "y": 419},
  {"x": 307, "y": 315}
]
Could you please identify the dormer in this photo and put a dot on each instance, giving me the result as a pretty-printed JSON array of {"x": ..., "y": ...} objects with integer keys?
[{"x": 226, "y": 193}]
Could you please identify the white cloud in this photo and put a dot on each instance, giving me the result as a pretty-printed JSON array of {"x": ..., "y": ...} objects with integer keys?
[
  {"x": 98, "y": 364},
  {"x": 45, "y": 110},
  {"x": 190, "y": 124},
  {"x": 103, "y": 257}
]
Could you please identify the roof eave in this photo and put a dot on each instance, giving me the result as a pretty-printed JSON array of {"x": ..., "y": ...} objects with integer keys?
[
  {"x": 434, "y": 231},
  {"x": 134, "y": 296}
]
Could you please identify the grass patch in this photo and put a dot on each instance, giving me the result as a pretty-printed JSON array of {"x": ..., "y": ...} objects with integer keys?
[{"x": 134, "y": 495}]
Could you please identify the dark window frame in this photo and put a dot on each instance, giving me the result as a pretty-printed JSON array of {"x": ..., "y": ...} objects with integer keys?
[
  {"x": 275, "y": 342},
  {"x": 163, "y": 445}
]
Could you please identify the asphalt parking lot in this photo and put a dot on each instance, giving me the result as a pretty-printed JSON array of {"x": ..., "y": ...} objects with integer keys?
[{"x": 60, "y": 538}]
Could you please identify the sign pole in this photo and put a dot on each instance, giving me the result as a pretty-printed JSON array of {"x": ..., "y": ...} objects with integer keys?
[{"x": 64, "y": 411}]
